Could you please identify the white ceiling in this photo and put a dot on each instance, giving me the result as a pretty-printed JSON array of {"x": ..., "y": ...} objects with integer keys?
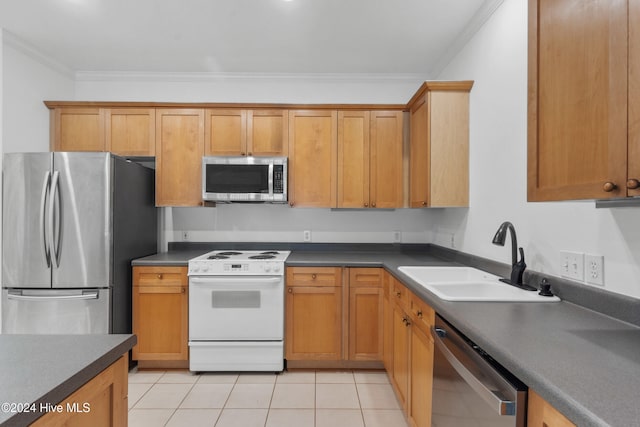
[{"x": 247, "y": 36}]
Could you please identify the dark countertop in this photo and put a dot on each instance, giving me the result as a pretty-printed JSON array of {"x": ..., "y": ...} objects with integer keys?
[
  {"x": 586, "y": 364},
  {"x": 40, "y": 369}
]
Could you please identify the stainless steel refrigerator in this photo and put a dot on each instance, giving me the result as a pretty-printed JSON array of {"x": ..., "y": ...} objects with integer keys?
[{"x": 71, "y": 224}]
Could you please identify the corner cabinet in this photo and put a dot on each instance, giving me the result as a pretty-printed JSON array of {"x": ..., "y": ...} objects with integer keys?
[
  {"x": 439, "y": 145},
  {"x": 584, "y": 108},
  {"x": 370, "y": 159},
  {"x": 160, "y": 316},
  {"x": 179, "y": 151}
]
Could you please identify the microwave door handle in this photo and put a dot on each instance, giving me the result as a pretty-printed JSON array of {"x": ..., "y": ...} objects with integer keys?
[{"x": 270, "y": 180}]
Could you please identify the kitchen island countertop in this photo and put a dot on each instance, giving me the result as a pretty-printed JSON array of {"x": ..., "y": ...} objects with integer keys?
[
  {"x": 586, "y": 364},
  {"x": 36, "y": 370}
]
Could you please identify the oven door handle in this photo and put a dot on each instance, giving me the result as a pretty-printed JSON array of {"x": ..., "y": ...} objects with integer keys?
[
  {"x": 504, "y": 407},
  {"x": 226, "y": 279}
]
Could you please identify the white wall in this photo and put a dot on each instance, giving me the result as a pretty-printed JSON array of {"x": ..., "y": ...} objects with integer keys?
[
  {"x": 28, "y": 80},
  {"x": 496, "y": 58}
]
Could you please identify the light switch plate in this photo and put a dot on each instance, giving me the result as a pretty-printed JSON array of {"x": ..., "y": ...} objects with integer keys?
[{"x": 572, "y": 265}]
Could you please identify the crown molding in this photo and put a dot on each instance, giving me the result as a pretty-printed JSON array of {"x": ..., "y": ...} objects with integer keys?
[
  {"x": 137, "y": 76},
  {"x": 11, "y": 40},
  {"x": 473, "y": 26}
]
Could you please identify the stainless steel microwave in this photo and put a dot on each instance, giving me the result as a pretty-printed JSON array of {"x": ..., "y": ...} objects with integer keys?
[{"x": 244, "y": 179}]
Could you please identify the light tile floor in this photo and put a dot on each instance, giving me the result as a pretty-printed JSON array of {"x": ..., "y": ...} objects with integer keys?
[{"x": 296, "y": 398}]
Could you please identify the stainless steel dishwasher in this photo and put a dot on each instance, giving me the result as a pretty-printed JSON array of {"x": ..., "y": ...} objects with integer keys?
[{"x": 469, "y": 387}]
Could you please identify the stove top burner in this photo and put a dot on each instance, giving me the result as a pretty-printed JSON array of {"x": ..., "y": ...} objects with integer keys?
[
  {"x": 229, "y": 253},
  {"x": 270, "y": 253},
  {"x": 218, "y": 256},
  {"x": 265, "y": 256}
]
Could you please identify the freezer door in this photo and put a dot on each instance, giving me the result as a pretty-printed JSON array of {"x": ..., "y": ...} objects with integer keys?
[
  {"x": 24, "y": 245},
  {"x": 31, "y": 311},
  {"x": 81, "y": 220}
]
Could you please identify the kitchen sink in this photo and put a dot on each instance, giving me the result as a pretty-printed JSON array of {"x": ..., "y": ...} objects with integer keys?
[{"x": 469, "y": 284}]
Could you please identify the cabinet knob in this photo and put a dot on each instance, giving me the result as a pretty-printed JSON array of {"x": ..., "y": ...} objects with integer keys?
[
  {"x": 424, "y": 203},
  {"x": 609, "y": 187},
  {"x": 291, "y": 204},
  {"x": 419, "y": 314},
  {"x": 313, "y": 276},
  {"x": 183, "y": 290},
  {"x": 633, "y": 183},
  {"x": 366, "y": 205},
  {"x": 242, "y": 154},
  {"x": 373, "y": 205},
  {"x": 290, "y": 290},
  {"x": 249, "y": 154},
  {"x": 398, "y": 294},
  {"x": 160, "y": 276}
]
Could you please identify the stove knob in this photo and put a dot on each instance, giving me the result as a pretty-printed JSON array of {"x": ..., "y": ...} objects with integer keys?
[
  {"x": 276, "y": 268},
  {"x": 205, "y": 268},
  {"x": 267, "y": 268},
  {"x": 195, "y": 268}
]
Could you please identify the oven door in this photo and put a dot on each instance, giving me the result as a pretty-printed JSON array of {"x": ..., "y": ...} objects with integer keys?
[{"x": 236, "y": 308}]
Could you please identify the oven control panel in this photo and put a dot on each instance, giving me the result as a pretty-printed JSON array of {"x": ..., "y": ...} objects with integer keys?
[{"x": 205, "y": 268}]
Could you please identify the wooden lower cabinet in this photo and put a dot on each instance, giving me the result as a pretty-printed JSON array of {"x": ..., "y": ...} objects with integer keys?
[
  {"x": 101, "y": 402},
  {"x": 160, "y": 316},
  {"x": 401, "y": 362},
  {"x": 334, "y": 314},
  {"x": 313, "y": 321},
  {"x": 540, "y": 413}
]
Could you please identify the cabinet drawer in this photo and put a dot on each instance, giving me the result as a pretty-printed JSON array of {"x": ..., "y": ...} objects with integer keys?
[
  {"x": 365, "y": 277},
  {"x": 160, "y": 276},
  {"x": 314, "y": 276},
  {"x": 399, "y": 293},
  {"x": 423, "y": 315}
]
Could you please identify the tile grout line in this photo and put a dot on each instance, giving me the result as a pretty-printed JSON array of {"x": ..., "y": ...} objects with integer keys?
[{"x": 182, "y": 401}]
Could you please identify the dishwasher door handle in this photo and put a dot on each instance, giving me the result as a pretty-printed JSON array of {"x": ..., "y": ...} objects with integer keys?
[{"x": 503, "y": 406}]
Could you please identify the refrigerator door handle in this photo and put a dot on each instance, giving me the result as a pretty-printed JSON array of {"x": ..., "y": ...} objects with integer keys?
[
  {"x": 46, "y": 251},
  {"x": 55, "y": 213},
  {"x": 83, "y": 296}
]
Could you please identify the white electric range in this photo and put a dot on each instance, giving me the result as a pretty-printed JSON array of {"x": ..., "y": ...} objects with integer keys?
[{"x": 236, "y": 311}]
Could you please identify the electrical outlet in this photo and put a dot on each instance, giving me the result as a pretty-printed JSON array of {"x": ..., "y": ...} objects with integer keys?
[
  {"x": 572, "y": 265},
  {"x": 397, "y": 236},
  {"x": 594, "y": 269},
  {"x": 306, "y": 235},
  {"x": 185, "y": 236}
]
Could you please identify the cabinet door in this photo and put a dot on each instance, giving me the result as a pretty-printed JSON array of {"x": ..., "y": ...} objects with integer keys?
[
  {"x": 386, "y": 182},
  {"x": 541, "y": 414},
  {"x": 131, "y": 131},
  {"x": 226, "y": 132},
  {"x": 401, "y": 341},
  {"x": 387, "y": 327},
  {"x": 312, "y": 158},
  {"x": 179, "y": 151},
  {"x": 577, "y": 125},
  {"x": 160, "y": 313},
  {"x": 267, "y": 132},
  {"x": 420, "y": 164},
  {"x": 353, "y": 159},
  {"x": 421, "y": 382},
  {"x": 633, "y": 149},
  {"x": 78, "y": 129},
  {"x": 313, "y": 323},
  {"x": 365, "y": 313}
]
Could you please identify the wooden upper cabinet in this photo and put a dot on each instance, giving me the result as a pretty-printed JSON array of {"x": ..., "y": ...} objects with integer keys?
[
  {"x": 583, "y": 82},
  {"x": 386, "y": 162},
  {"x": 267, "y": 132},
  {"x": 179, "y": 151},
  {"x": 78, "y": 129},
  {"x": 439, "y": 145},
  {"x": 235, "y": 132},
  {"x": 312, "y": 158},
  {"x": 370, "y": 163},
  {"x": 131, "y": 131},
  {"x": 353, "y": 159}
]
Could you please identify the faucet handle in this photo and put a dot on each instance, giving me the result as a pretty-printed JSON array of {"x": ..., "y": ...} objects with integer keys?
[
  {"x": 545, "y": 288},
  {"x": 521, "y": 255}
]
